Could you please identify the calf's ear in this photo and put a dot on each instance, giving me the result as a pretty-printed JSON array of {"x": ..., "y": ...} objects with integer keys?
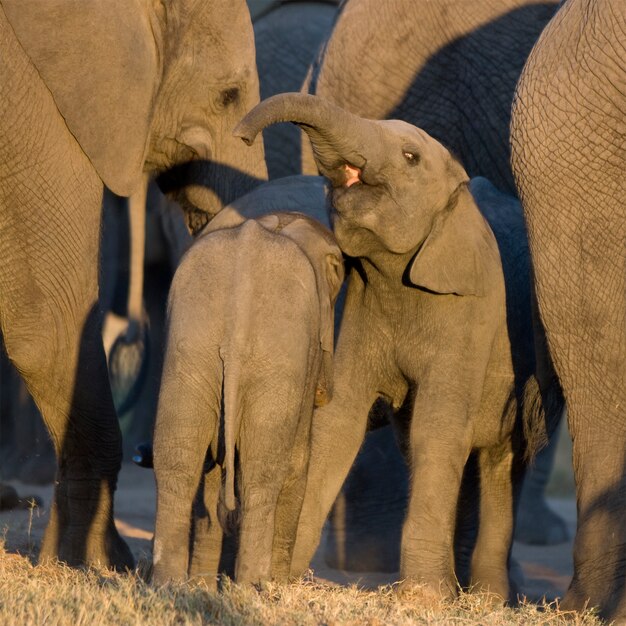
[
  {"x": 334, "y": 271},
  {"x": 459, "y": 252}
]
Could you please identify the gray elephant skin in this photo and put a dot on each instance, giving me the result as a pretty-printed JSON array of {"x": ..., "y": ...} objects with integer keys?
[
  {"x": 568, "y": 128},
  {"x": 125, "y": 96},
  {"x": 249, "y": 352},
  {"x": 429, "y": 326}
]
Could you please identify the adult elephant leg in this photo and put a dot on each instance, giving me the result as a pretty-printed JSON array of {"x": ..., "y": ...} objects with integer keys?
[
  {"x": 52, "y": 332},
  {"x": 569, "y": 168},
  {"x": 50, "y": 208}
]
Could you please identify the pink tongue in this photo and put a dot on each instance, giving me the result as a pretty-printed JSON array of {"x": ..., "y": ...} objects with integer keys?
[{"x": 352, "y": 175}]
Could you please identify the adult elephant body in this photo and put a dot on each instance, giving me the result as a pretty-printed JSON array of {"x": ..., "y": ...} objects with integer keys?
[
  {"x": 446, "y": 66},
  {"x": 93, "y": 93},
  {"x": 568, "y": 129}
]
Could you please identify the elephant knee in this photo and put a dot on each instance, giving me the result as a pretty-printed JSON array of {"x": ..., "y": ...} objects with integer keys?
[{"x": 32, "y": 353}]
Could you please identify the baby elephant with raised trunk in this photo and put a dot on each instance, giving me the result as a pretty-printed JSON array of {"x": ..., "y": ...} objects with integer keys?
[
  {"x": 438, "y": 322},
  {"x": 249, "y": 354}
]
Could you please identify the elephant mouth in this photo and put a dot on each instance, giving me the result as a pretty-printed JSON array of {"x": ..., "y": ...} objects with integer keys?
[{"x": 352, "y": 175}]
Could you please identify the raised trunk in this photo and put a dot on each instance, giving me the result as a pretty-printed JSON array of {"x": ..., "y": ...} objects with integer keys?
[{"x": 338, "y": 137}]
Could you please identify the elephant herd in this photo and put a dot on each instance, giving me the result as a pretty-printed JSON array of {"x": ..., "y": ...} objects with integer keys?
[{"x": 462, "y": 164}]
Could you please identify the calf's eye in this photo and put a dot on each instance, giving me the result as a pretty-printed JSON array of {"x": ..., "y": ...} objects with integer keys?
[{"x": 411, "y": 157}]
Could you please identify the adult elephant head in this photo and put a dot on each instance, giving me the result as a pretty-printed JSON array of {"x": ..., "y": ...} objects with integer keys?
[
  {"x": 93, "y": 93},
  {"x": 149, "y": 86},
  {"x": 568, "y": 128}
]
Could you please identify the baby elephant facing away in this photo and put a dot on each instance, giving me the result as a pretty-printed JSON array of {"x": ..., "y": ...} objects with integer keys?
[{"x": 249, "y": 353}]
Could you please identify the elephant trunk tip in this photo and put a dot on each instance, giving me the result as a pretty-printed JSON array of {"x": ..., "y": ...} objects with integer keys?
[{"x": 244, "y": 132}]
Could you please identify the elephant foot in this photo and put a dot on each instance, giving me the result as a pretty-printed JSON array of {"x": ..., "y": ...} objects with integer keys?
[
  {"x": 598, "y": 589},
  {"x": 492, "y": 585},
  {"x": 426, "y": 595},
  {"x": 108, "y": 550},
  {"x": 81, "y": 530},
  {"x": 537, "y": 524}
]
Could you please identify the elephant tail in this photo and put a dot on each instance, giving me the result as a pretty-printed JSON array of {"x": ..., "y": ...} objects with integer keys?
[
  {"x": 231, "y": 410},
  {"x": 236, "y": 348},
  {"x": 541, "y": 414}
]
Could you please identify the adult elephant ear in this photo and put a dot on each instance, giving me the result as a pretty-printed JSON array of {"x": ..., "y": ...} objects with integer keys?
[{"x": 99, "y": 60}]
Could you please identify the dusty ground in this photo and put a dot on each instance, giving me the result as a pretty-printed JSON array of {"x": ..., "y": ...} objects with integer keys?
[{"x": 547, "y": 570}]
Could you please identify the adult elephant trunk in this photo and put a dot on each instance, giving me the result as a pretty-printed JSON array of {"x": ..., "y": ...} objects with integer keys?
[{"x": 338, "y": 138}]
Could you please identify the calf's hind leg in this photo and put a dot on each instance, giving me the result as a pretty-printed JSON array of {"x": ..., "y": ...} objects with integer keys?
[
  {"x": 186, "y": 423},
  {"x": 207, "y": 531},
  {"x": 265, "y": 447}
]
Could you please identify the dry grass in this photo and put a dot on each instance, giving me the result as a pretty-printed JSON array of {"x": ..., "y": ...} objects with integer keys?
[{"x": 55, "y": 595}]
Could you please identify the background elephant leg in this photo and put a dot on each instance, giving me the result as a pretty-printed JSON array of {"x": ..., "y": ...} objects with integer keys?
[
  {"x": 536, "y": 522},
  {"x": 186, "y": 423},
  {"x": 26, "y": 451},
  {"x": 489, "y": 569},
  {"x": 207, "y": 530},
  {"x": 365, "y": 524}
]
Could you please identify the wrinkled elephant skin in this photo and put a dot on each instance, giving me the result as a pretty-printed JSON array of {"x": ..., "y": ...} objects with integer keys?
[
  {"x": 437, "y": 322},
  {"x": 568, "y": 129}
]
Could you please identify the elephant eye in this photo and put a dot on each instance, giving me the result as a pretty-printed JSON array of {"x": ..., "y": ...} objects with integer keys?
[
  {"x": 229, "y": 96},
  {"x": 411, "y": 156}
]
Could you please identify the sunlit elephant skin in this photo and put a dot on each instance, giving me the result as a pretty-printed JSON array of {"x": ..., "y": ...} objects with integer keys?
[
  {"x": 250, "y": 336},
  {"x": 437, "y": 321},
  {"x": 568, "y": 129},
  {"x": 125, "y": 97}
]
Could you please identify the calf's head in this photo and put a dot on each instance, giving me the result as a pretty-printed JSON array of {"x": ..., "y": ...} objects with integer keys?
[{"x": 396, "y": 190}]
